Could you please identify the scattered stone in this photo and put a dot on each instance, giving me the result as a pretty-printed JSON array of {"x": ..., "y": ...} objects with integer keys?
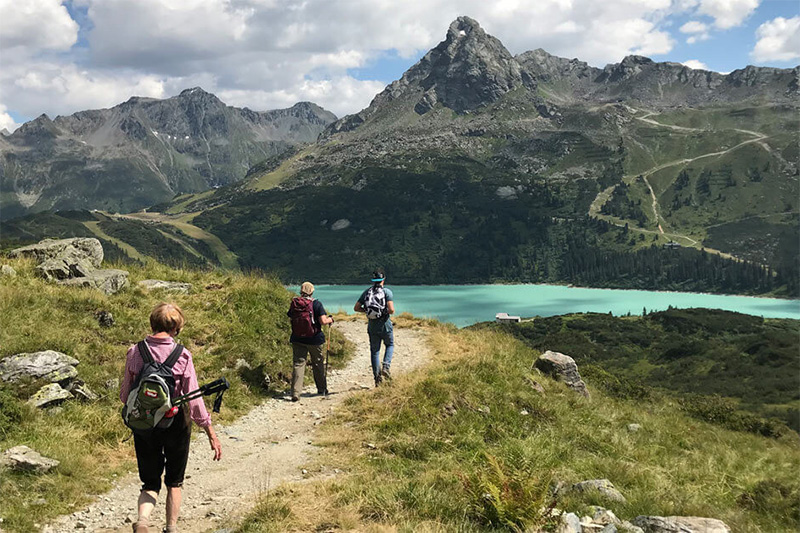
[
  {"x": 169, "y": 286},
  {"x": 563, "y": 368},
  {"x": 304, "y": 472},
  {"x": 524, "y": 412},
  {"x": 570, "y": 523},
  {"x": 48, "y": 365},
  {"x": 370, "y": 446},
  {"x": 633, "y": 428},
  {"x": 214, "y": 286},
  {"x": 23, "y": 459},
  {"x": 535, "y": 385},
  {"x": 340, "y": 224},
  {"x": 627, "y": 527},
  {"x": 49, "y": 395},
  {"x": 81, "y": 391},
  {"x": 680, "y": 524},
  {"x": 449, "y": 410},
  {"x": 7, "y": 270},
  {"x": 609, "y": 528},
  {"x": 105, "y": 319},
  {"x": 109, "y": 281},
  {"x": 111, "y": 384},
  {"x": 484, "y": 409},
  {"x": 316, "y": 415},
  {"x": 241, "y": 364},
  {"x": 603, "y": 486},
  {"x": 604, "y": 517}
]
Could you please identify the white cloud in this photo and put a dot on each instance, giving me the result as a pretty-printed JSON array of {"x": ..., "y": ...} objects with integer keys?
[
  {"x": 6, "y": 121},
  {"x": 35, "y": 25},
  {"x": 697, "y": 30},
  {"x": 695, "y": 64},
  {"x": 728, "y": 13},
  {"x": 271, "y": 53},
  {"x": 778, "y": 40}
]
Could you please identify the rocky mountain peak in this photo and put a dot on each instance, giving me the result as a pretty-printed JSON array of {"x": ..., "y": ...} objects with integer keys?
[{"x": 467, "y": 70}]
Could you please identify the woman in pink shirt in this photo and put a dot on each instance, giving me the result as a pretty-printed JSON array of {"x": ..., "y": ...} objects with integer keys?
[{"x": 166, "y": 451}]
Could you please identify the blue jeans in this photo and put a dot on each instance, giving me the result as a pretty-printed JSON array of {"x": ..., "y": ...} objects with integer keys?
[{"x": 375, "y": 340}]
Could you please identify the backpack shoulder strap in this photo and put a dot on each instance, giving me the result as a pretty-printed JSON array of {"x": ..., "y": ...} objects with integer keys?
[
  {"x": 173, "y": 357},
  {"x": 144, "y": 352}
]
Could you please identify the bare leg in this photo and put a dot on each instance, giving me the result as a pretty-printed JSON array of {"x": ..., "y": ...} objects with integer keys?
[
  {"x": 174, "y": 497},
  {"x": 147, "y": 501}
]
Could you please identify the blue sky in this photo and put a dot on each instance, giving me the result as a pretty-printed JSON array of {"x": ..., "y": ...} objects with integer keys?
[{"x": 61, "y": 56}]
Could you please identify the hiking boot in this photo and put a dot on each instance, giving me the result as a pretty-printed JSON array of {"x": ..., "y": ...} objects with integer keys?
[
  {"x": 322, "y": 392},
  {"x": 170, "y": 529},
  {"x": 385, "y": 374},
  {"x": 295, "y": 399},
  {"x": 141, "y": 526},
  {"x": 378, "y": 380}
]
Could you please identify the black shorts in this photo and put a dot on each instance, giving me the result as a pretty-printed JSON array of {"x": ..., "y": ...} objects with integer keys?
[{"x": 164, "y": 451}]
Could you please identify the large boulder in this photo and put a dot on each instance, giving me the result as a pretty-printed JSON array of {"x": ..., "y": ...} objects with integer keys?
[
  {"x": 23, "y": 459},
  {"x": 63, "y": 267},
  {"x": 76, "y": 249},
  {"x": 109, "y": 281},
  {"x": 169, "y": 286},
  {"x": 48, "y": 365},
  {"x": 680, "y": 524},
  {"x": 562, "y": 367},
  {"x": 50, "y": 395}
]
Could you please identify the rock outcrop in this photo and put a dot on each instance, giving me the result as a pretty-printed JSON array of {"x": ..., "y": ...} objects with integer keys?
[
  {"x": 24, "y": 459},
  {"x": 680, "y": 524},
  {"x": 7, "y": 271},
  {"x": 74, "y": 262},
  {"x": 48, "y": 365},
  {"x": 563, "y": 368}
]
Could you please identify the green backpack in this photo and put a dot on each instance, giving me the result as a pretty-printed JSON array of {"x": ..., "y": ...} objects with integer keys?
[{"x": 150, "y": 402}]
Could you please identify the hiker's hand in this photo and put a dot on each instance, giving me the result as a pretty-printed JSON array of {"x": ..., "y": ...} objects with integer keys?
[{"x": 214, "y": 442}]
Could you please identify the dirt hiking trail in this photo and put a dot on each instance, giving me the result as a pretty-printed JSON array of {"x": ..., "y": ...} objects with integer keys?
[{"x": 262, "y": 450}]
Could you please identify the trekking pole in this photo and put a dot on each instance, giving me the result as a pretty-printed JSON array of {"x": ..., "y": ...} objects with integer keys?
[{"x": 327, "y": 354}]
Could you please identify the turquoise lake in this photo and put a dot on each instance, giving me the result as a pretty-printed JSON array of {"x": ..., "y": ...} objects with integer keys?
[{"x": 467, "y": 304}]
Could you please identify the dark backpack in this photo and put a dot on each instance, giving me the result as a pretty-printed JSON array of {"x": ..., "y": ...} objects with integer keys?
[
  {"x": 375, "y": 302},
  {"x": 301, "y": 313},
  {"x": 149, "y": 404}
]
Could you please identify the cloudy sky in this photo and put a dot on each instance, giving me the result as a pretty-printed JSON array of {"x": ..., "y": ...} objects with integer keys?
[{"x": 58, "y": 57}]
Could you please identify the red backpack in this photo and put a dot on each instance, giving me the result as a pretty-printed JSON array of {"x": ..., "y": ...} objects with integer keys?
[{"x": 302, "y": 315}]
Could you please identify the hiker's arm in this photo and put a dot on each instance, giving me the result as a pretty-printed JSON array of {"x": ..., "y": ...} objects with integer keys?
[
  {"x": 390, "y": 307},
  {"x": 359, "y": 308},
  {"x": 214, "y": 442},
  {"x": 326, "y": 319}
]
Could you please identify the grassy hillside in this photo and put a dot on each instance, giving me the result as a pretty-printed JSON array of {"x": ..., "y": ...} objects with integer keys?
[
  {"x": 467, "y": 444},
  {"x": 751, "y": 361},
  {"x": 230, "y": 316}
]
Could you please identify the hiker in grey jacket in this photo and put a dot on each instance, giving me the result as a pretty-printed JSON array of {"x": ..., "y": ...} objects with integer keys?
[{"x": 377, "y": 303}]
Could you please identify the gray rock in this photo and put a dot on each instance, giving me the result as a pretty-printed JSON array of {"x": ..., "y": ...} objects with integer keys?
[
  {"x": 48, "y": 365},
  {"x": 627, "y": 527},
  {"x": 680, "y": 524},
  {"x": 81, "y": 391},
  {"x": 633, "y": 428},
  {"x": 570, "y": 523},
  {"x": 602, "y": 486},
  {"x": 109, "y": 281},
  {"x": 49, "y": 395},
  {"x": 77, "y": 248},
  {"x": 609, "y": 528},
  {"x": 7, "y": 270},
  {"x": 64, "y": 267},
  {"x": 105, "y": 319},
  {"x": 563, "y": 368},
  {"x": 169, "y": 286},
  {"x": 23, "y": 459},
  {"x": 605, "y": 516}
]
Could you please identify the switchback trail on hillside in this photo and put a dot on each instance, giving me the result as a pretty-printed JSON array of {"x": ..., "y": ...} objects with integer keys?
[{"x": 262, "y": 450}]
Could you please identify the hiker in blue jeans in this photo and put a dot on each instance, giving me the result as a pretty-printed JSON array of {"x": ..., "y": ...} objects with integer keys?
[{"x": 377, "y": 303}]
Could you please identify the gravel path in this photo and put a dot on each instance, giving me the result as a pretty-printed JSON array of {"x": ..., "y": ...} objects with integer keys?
[{"x": 260, "y": 451}]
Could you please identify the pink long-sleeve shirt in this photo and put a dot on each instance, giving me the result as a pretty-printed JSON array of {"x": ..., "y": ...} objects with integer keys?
[{"x": 183, "y": 370}]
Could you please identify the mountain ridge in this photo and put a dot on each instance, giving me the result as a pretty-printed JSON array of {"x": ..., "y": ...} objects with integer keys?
[{"x": 186, "y": 143}]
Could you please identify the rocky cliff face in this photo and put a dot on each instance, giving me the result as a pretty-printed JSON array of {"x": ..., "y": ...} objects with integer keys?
[{"x": 143, "y": 151}]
